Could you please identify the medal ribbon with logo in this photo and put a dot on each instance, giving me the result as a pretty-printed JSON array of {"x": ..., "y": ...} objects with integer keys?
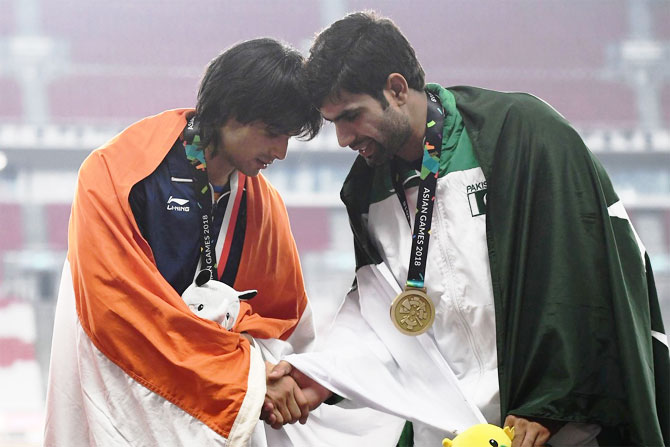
[
  {"x": 208, "y": 254},
  {"x": 413, "y": 312}
]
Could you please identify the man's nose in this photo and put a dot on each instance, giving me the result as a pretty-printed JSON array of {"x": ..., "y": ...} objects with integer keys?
[
  {"x": 344, "y": 136},
  {"x": 279, "y": 150}
]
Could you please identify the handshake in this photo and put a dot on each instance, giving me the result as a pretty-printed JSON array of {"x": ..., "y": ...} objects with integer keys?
[{"x": 290, "y": 395}]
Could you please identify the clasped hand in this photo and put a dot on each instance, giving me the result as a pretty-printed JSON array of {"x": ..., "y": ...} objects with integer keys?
[{"x": 290, "y": 395}]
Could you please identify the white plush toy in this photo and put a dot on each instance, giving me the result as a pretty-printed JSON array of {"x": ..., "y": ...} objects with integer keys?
[{"x": 215, "y": 300}]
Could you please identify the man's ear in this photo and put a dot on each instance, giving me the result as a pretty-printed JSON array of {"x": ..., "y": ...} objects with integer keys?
[{"x": 396, "y": 89}]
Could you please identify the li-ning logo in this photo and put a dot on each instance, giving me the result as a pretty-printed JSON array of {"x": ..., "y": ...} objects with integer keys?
[
  {"x": 477, "y": 198},
  {"x": 180, "y": 204}
]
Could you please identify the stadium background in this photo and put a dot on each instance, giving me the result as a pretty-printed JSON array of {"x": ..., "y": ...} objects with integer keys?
[{"x": 75, "y": 72}]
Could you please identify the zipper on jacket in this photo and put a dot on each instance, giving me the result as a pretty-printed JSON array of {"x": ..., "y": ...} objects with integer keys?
[{"x": 457, "y": 309}]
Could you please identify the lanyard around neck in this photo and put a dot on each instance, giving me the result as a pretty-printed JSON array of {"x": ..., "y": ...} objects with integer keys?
[
  {"x": 209, "y": 254},
  {"x": 432, "y": 149}
]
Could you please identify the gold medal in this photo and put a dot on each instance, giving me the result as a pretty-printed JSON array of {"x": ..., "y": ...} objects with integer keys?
[{"x": 412, "y": 312}]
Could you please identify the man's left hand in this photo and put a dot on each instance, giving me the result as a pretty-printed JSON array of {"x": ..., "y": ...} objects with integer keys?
[{"x": 531, "y": 432}]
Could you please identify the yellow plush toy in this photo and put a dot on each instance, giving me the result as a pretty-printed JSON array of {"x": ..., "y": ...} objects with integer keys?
[{"x": 482, "y": 435}]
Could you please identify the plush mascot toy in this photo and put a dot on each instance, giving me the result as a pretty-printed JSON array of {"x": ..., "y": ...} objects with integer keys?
[
  {"x": 482, "y": 435},
  {"x": 215, "y": 300}
]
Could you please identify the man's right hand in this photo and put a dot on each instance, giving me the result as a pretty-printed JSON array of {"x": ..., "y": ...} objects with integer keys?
[
  {"x": 312, "y": 391},
  {"x": 284, "y": 402}
]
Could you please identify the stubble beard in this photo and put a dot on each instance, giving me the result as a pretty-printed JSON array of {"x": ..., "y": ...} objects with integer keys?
[{"x": 395, "y": 130}]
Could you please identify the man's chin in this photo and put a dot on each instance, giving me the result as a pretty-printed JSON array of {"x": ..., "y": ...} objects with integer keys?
[
  {"x": 377, "y": 160},
  {"x": 250, "y": 172}
]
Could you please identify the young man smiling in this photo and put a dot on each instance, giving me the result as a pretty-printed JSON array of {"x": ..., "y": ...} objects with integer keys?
[
  {"x": 498, "y": 277},
  {"x": 173, "y": 194}
]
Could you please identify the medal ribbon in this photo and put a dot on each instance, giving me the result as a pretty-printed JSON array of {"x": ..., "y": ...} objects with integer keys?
[
  {"x": 223, "y": 243},
  {"x": 430, "y": 166},
  {"x": 208, "y": 254}
]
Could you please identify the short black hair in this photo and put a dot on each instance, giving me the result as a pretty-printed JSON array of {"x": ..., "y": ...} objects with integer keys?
[
  {"x": 357, "y": 54},
  {"x": 256, "y": 80}
]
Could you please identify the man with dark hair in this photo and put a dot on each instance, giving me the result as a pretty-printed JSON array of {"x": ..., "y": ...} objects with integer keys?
[
  {"x": 172, "y": 195},
  {"x": 528, "y": 299}
]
